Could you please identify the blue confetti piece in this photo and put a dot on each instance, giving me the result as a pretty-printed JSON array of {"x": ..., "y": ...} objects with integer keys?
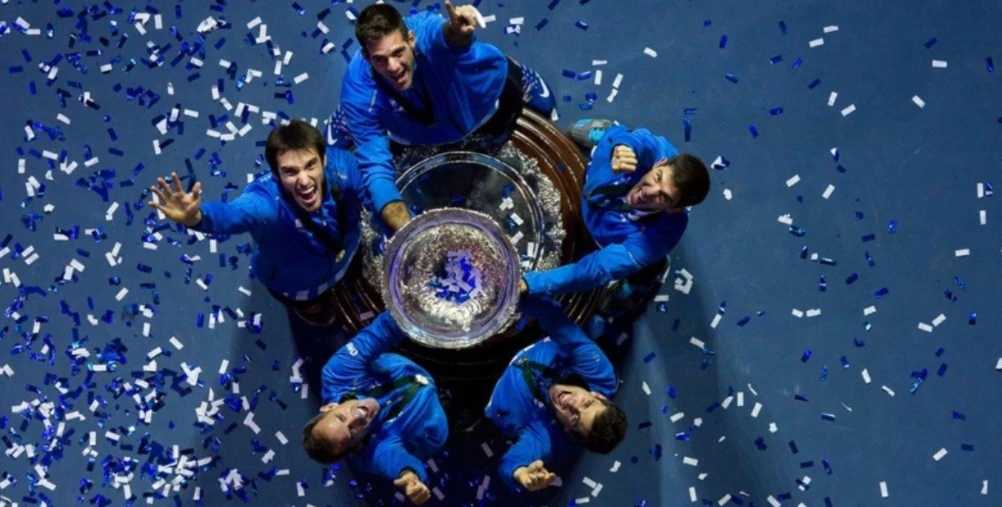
[
  {"x": 797, "y": 231},
  {"x": 776, "y": 59},
  {"x": 824, "y": 373},
  {"x": 828, "y": 416},
  {"x": 972, "y": 318},
  {"x": 826, "y": 463},
  {"x": 967, "y": 447},
  {"x": 822, "y": 284},
  {"x": 869, "y": 259},
  {"x": 569, "y": 73},
  {"x": 649, "y": 357},
  {"x": 707, "y": 22},
  {"x": 881, "y": 292},
  {"x": 940, "y": 351},
  {"x": 892, "y": 226},
  {"x": 931, "y": 42},
  {"x": 731, "y": 77},
  {"x": 723, "y": 41},
  {"x": 990, "y": 65},
  {"x": 869, "y": 237},
  {"x": 743, "y": 321},
  {"x": 858, "y": 342},
  {"x": 845, "y": 362},
  {"x": 541, "y": 24},
  {"x": 753, "y": 130},
  {"x": 942, "y": 369},
  {"x": 581, "y": 24},
  {"x": 798, "y": 62},
  {"x": 687, "y": 128},
  {"x": 801, "y": 397},
  {"x": 782, "y": 27},
  {"x": 806, "y": 356}
]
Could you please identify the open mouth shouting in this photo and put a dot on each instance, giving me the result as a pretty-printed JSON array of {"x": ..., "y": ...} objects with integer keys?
[{"x": 308, "y": 197}]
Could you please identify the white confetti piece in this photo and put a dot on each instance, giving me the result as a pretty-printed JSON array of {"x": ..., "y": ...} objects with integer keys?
[
  {"x": 828, "y": 191},
  {"x": 697, "y": 342},
  {"x": 646, "y": 388},
  {"x": 300, "y": 78},
  {"x": 677, "y": 416},
  {"x": 869, "y": 310},
  {"x": 798, "y": 313},
  {"x": 785, "y": 219},
  {"x": 963, "y": 252},
  {"x": 650, "y": 52},
  {"x": 984, "y": 487},
  {"x": 772, "y": 501},
  {"x": 918, "y": 101},
  {"x": 848, "y": 109},
  {"x": 939, "y": 64},
  {"x": 883, "y": 489},
  {"x": 618, "y": 81},
  {"x": 692, "y": 494},
  {"x": 998, "y": 365},
  {"x": 866, "y": 376},
  {"x": 728, "y": 195},
  {"x": 831, "y": 28},
  {"x": 982, "y": 217},
  {"x": 939, "y": 454},
  {"x": 831, "y": 99},
  {"x": 121, "y": 294},
  {"x": 793, "y": 180},
  {"x": 726, "y": 498},
  {"x": 715, "y": 321},
  {"x": 598, "y": 77},
  {"x": 690, "y": 461},
  {"x": 939, "y": 320},
  {"x": 756, "y": 409},
  {"x": 888, "y": 390},
  {"x": 924, "y": 327},
  {"x": 816, "y": 42},
  {"x": 487, "y": 449}
]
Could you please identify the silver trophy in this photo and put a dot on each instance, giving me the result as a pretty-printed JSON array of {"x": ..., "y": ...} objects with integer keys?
[{"x": 450, "y": 278}]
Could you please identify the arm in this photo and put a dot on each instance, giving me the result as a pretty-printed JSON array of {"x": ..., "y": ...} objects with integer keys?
[
  {"x": 372, "y": 145},
  {"x": 648, "y": 147},
  {"x": 353, "y": 359},
  {"x": 587, "y": 359},
  {"x": 242, "y": 214},
  {"x": 388, "y": 457},
  {"x": 612, "y": 262},
  {"x": 533, "y": 445}
]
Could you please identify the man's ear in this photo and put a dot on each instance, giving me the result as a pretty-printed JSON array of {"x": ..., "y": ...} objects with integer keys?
[
  {"x": 411, "y": 39},
  {"x": 599, "y": 396},
  {"x": 327, "y": 408}
]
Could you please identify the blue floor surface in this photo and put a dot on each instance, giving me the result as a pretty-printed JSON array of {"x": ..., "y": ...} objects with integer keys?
[{"x": 850, "y": 350}]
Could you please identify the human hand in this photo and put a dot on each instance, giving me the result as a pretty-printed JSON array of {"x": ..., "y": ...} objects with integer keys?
[
  {"x": 522, "y": 287},
  {"x": 534, "y": 477},
  {"x": 463, "y": 19},
  {"x": 178, "y": 205},
  {"x": 414, "y": 489},
  {"x": 624, "y": 159},
  {"x": 396, "y": 215}
]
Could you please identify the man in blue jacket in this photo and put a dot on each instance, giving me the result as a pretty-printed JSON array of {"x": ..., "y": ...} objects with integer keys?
[
  {"x": 304, "y": 217},
  {"x": 637, "y": 187},
  {"x": 380, "y": 409},
  {"x": 554, "y": 393},
  {"x": 421, "y": 81}
]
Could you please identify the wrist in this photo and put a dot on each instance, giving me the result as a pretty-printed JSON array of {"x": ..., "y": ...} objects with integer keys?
[{"x": 194, "y": 220}]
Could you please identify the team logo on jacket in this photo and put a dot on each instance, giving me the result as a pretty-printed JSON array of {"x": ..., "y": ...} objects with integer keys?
[{"x": 421, "y": 379}]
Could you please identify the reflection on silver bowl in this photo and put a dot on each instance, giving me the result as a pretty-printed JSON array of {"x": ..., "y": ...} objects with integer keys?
[{"x": 451, "y": 278}]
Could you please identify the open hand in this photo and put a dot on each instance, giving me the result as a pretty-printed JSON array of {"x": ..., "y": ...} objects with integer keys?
[
  {"x": 463, "y": 19},
  {"x": 624, "y": 159},
  {"x": 414, "y": 489},
  {"x": 178, "y": 205},
  {"x": 534, "y": 477}
]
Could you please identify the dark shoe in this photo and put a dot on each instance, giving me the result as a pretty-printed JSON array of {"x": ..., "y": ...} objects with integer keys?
[{"x": 588, "y": 132}]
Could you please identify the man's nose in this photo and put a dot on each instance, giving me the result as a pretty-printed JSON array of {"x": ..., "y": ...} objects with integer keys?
[{"x": 393, "y": 65}]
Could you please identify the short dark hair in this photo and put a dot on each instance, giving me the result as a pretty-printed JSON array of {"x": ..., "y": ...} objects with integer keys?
[
  {"x": 377, "y": 21},
  {"x": 319, "y": 449},
  {"x": 607, "y": 430},
  {"x": 689, "y": 174},
  {"x": 297, "y": 135}
]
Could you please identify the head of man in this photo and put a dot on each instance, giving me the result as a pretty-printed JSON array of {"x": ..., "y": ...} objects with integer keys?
[
  {"x": 296, "y": 154},
  {"x": 387, "y": 44},
  {"x": 588, "y": 417},
  {"x": 671, "y": 185},
  {"x": 338, "y": 429}
]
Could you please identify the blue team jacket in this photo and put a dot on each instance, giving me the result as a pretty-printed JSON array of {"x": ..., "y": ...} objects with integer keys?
[
  {"x": 288, "y": 258},
  {"x": 418, "y": 431},
  {"x": 627, "y": 245},
  {"x": 461, "y": 85},
  {"x": 512, "y": 406}
]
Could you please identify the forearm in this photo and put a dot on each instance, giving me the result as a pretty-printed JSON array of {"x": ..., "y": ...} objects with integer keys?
[{"x": 193, "y": 221}]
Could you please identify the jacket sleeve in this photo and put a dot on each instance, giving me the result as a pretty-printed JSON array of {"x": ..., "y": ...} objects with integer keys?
[
  {"x": 372, "y": 145},
  {"x": 353, "y": 359},
  {"x": 388, "y": 457},
  {"x": 586, "y": 358},
  {"x": 533, "y": 443},
  {"x": 246, "y": 213},
  {"x": 429, "y": 29},
  {"x": 612, "y": 262}
]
